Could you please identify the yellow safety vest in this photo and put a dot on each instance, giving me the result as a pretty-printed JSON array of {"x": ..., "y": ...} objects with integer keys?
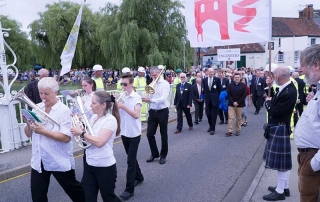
[
  {"x": 139, "y": 83},
  {"x": 119, "y": 87},
  {"x": 99, "y": 83}
]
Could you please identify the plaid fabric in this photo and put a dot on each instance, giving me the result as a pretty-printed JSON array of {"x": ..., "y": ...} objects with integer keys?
[{"x": 277, "y": 153}]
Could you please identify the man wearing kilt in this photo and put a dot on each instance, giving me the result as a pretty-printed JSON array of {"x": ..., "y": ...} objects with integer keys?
[{"x": 278, "y": 150}]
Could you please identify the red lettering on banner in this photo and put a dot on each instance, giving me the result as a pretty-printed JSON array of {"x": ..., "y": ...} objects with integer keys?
[
  {"x": 247, "y": 13},
  {"x": 211, "y": 10}
]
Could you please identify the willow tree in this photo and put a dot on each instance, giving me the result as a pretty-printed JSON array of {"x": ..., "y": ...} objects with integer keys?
[
  {"x": 143, "y": 32},
  {"x": 50, "y": 32},
  {"x": 19, "y": 43}
]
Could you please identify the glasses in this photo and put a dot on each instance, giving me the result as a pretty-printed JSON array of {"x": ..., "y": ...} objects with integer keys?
[
  {"x": 123, "y": 84},
  {"x": 182, "y": 77}
]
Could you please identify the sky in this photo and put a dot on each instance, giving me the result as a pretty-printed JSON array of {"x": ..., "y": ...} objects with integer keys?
[{"x": 26, "y": 11}]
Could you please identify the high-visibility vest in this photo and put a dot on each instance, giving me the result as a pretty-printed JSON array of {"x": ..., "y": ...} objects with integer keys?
[
  {"x": 191, "y": 79},
  {"x": 119, "y": 87},
  {"x": 176, "y": 81},
  {"x": 99, "y": 83},
  {"x": 140, "y": 84}
]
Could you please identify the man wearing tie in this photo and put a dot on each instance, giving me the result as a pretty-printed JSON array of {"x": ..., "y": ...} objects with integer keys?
[
  {"x": 257, "y": 85},
  {"x": 198, "y": 100},
  {"x": 183, "y": 102},
  {"x": 212, "y": 89}
]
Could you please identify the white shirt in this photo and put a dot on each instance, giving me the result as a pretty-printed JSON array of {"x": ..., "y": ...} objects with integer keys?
[
  {"x": 307, "y": 130},
  {"x": 130, "y": 127},
  {"x": 87, "y": 99},
  {"x": 55, "y": 156},
  {"x": 102, "y": 157},
  {"x": 160, "y": 99}
]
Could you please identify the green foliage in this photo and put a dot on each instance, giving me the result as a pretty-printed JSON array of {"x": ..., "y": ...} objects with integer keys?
[{"x": 19, "y": 43}]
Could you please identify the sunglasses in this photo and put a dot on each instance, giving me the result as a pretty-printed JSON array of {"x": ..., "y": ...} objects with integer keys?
[
  {"x": 123, "y": 84},
  {"x": 182, "y": 77}
]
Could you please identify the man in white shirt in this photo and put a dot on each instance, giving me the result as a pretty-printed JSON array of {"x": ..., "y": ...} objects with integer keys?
[
  {"x": 52, "y": 148},
  {"x": 131, "y": 134},
  {"x": 158, "y": 115},
  {"x": 307, "y": 130}
]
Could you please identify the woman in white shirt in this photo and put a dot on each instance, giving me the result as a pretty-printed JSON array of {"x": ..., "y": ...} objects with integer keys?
[
  {"x": 100, "y": 170},
  {"x": 89, "y": 86}
]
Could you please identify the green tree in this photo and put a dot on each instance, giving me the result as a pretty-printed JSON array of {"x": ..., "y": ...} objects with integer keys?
[
  {"x": 50, "y": 32},
  {"x": 143, "y": 32},
  {"x": 19, "y": 43}
]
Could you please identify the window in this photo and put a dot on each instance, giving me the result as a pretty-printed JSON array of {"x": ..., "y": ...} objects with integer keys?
[
  {"x": 281, "y": 57},
  {"x": 296, "y": 56},
  {"x": 313, "y": 41}
]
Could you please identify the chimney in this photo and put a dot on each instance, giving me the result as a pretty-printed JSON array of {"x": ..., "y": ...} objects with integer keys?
[{"x": 307, "y": 12}]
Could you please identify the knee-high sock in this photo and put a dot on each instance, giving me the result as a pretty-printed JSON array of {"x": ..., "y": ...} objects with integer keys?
[
  {"x": 286, "y": 185},
  {"x": 282, "y": 178}
]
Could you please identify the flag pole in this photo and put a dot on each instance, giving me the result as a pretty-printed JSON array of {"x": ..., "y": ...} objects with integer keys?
[{"x": 269, "y": 43}]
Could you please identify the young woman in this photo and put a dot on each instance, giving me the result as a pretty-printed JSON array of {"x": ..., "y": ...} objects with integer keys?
[
  {"x": 89, "y": 86},
  {"x": 100, "y": 170},
  {"x": 244, "y": 109}
]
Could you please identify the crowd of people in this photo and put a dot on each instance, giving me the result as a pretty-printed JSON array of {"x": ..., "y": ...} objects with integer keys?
[{"x": 223, "y": 93}]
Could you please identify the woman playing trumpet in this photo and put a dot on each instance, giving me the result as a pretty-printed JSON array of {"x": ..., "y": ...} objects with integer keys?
[{"x": 100, "y": 170}]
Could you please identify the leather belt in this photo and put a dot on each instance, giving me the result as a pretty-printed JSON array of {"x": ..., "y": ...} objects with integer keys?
[
  {"x": 305, "y": 150},
  {"x": 158, "y": 110}
]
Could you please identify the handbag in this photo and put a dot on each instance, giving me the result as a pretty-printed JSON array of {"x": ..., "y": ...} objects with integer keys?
[{"x": 266, "y": 128}]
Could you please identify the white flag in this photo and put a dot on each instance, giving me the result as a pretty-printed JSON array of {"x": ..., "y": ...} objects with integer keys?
[
  {"x": 70, "y": 47},
  {"x": 227, "y": 22}
]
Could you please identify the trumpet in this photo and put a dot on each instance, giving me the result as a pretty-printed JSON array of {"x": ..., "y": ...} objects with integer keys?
[
  {"x": 83, "y": 120},
  {"x": 122, "y": 96}
]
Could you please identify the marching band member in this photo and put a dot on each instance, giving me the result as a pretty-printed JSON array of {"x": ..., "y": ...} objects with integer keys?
[
  {"x": 131, "y": 134},
  {"x": 52, "y": 150},
  {"x": 100, "y": 170},
  {"x": 89, "y": 86}
]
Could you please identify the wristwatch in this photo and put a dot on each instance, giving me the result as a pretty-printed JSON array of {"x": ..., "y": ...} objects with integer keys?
[{"x": 82, "y": 135}]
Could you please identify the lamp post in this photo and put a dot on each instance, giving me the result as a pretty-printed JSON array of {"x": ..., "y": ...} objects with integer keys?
[
  {"x": 10, "y": 129},
  {"x": 184, "y": 52}
]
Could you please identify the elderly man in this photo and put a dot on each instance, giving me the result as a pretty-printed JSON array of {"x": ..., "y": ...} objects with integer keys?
[
  {"x": 278, "y": 150},
  {"x": 198, "y": 100},
  {"x": 97, "y": 77},
  {"x": 32, "y": 88},
  {"x": 307, "y": 129},
  {"x": 183, "y": 102},
  {"x": 52, "y": 147}
]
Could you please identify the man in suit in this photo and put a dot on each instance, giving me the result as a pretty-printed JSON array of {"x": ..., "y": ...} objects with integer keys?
[
  {"x": 32, "y": 88},
  {"x": 278, "y": 150},
  {"x": 223, "y": 115},
  {"x": 212, "y": 89},
  {"x": 198, "y": 100},
  {"x": 257, "y": 91},
  {"x": 183, "y": 102},
  {"x": 301, "y": 97}
]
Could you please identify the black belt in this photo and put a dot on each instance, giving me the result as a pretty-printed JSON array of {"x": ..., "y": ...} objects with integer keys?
[
  {"x": 159, "y": 110},
  {"x": 277, "y": 124},
  {"x": 305, "y": 150}
]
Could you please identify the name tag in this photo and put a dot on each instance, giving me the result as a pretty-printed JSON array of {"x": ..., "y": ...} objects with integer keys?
[
  {"x": 259, "y": 84},
  {"x": 214, "y": 86},
  {"x": 223, "y": 86}
]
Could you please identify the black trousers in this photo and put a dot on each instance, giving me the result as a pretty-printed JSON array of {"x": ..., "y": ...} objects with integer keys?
[
  {"x": 158, "y": 117},
  {"x": 212, "y": 113},
  {"x": 67, "y": 180},
  {"x": 223, "y": 116},
  {"x": 133, "y": 172},
  {"x": 198, "y": 107},
  {"x": 257, "y": 100},
  {"x": 186, "y": 111},
  {"x": 299, "y": 110},
  {"x": 99, "y": 178}
]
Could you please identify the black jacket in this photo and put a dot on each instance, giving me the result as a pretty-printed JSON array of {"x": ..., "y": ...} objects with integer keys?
[
  {"x": 237, "y": 93},
  {"x": 257, "y": 88},
  {"x": 212, "y": 96},
  {"x": 281, "y": 106},
  {"x": 196, "y": 94},
  {"x": 185, "y": 98},
  {"x": 32, "y": 92}
]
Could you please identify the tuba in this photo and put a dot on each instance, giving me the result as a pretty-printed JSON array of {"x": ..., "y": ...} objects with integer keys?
[
  {"x": 82, "y": 119},
  {"x": 150, "y": 88},
  {"x": 45, "y": 118}
]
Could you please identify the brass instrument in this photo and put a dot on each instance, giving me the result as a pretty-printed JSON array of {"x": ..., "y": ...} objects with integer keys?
[
  {"x": 150, "y": 88},
  {"x": 122, "y": 96},
  {"x": 82, "y": 119},
  {"x": 42, "y": 115}
]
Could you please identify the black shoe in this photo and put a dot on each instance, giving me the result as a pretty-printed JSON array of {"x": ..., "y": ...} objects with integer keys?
[
  {"x": 221, "y": 122},
  {"x": 255, "y": 113},
  {"x": 200, "y": 120},
  {"x": 126, "y": 195},
  {"x": 209, "y": 129},
  {"x": 274, "y": 196},
  {"x": 162, "y": 160},
  {"x": 212, "y": 132},
  {"x": 137, "y": 182},
  {"x": 196, "y": 122},
  {"x": 151, "y": 158},
  {"x": 226, "y": 122},
  {"x": 273, "y": 189}
]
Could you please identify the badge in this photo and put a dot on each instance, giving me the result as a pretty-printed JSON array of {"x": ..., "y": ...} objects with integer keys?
[
  {"x": 215, "y": 86},
  {"x": 224, "y": 86},
  {"x": 259, "y": 84}
]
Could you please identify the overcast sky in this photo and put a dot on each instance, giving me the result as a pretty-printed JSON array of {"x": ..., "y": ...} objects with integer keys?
[{"x": 25, "y": 11}]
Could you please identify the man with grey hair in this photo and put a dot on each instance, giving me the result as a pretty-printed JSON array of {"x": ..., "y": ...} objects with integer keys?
[
  {"x": 158, "y": 115},
  {"x": 278, "y": 150},
  {"x": 307, "y": 130},
  {"x": 52, "y": 147},
  {"x": 198, "y": 100},
  {"x": 32, "y": 90}
]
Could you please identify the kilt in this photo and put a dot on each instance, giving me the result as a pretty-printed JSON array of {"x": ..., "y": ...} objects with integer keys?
[{"x": 277, "y": 153}]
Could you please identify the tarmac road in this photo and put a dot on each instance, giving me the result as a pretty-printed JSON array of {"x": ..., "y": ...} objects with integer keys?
[{"x": 199, "y": 167}]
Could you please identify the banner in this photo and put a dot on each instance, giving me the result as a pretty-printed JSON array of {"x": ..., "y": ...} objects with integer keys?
[
  {"x": 70, "y": 47},
  {"x": 227, "y": 22},
  {"x": 228, "y": 54}
]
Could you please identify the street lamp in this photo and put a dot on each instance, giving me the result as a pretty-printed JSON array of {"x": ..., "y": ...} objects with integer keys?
[{"x": 184, "y": 52}]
